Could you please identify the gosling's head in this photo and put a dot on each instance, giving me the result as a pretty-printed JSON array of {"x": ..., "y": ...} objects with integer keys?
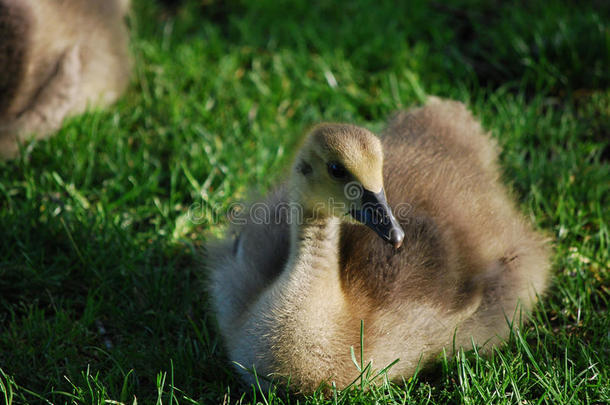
[{"x": 339, "y": 172}]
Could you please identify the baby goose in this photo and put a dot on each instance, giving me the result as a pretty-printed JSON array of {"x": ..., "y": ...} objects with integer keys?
[
  {"x": 57, "y": 57},
  {"x": 325, "y": 251}
]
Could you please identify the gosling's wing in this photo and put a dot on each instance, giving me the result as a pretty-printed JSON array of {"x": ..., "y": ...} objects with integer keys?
[
  {"x": 264, "y": 237},
  {"x": 248, "y": 259}
]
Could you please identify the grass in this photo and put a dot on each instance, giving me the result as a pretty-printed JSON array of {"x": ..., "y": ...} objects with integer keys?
[{"x": 101, "y": 286}]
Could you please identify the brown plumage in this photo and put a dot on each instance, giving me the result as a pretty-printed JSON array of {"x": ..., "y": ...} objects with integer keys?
[
  {"x": 291, "y": 288},
  {"x": 57, "y": 57}
]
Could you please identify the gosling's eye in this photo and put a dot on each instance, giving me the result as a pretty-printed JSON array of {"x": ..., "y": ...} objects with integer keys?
[{"x": 336, "y": 170}]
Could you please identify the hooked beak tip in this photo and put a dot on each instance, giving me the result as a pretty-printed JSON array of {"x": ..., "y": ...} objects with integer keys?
[
  {"x": 397, "y": 236},
  {"x": 377, "y": 215}
]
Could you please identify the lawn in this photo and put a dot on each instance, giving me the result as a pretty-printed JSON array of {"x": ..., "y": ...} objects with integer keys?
[{"x": 102, "y": 284}]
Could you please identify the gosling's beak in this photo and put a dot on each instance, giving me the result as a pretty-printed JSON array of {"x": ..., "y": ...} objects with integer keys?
[{"x": 377, "y": 215}]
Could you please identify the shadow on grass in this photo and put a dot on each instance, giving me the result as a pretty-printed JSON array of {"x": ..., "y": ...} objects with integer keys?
[{"x": 80, "y": 296}]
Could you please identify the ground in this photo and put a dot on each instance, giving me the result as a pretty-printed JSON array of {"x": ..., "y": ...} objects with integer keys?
[{"x": 102, "y": 285}]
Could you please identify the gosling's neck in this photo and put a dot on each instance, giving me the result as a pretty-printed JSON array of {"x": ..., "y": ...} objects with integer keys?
[
  {"x": 314, "y": 241},
  {"x": 306, "y": 302},
  {"x": 310, "y": 288}
]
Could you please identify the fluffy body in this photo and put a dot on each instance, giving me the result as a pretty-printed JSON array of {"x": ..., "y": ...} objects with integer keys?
[
  {"x": 289, "y": 298},
  {"x": 57, "y": 58}
]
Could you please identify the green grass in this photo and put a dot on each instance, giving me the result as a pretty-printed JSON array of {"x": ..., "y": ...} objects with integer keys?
[{"x": 102, "y": 293}]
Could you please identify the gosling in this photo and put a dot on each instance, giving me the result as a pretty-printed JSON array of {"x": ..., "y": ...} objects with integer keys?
[
  {"x": 413, "y": 234},
  {"x": 57, "y": 58}
]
